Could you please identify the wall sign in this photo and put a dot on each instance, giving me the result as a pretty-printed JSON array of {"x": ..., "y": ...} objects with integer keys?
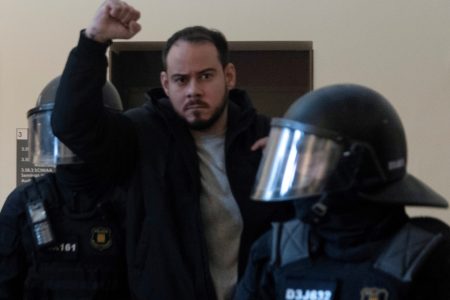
[{"x": 25, "y": 169}]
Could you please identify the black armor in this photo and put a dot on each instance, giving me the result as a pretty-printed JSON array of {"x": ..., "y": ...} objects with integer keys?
[{"x": 86, "y": 259}]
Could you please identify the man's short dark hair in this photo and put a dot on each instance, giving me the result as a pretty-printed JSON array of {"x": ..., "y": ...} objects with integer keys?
[{"x": 198, "y": 34}]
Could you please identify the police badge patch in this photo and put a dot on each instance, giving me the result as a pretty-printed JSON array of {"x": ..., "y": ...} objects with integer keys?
[
  {"x": 101, "y": 238},
  {"x": 372, "y": 293}
]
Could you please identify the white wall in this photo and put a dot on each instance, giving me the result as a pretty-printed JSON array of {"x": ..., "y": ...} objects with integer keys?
[{"x": 400, "y": 48}]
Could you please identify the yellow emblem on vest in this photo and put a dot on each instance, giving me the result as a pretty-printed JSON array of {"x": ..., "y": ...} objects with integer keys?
[
  {"x": 101, "y": 238},
  {"x": 373, "y": 293}
]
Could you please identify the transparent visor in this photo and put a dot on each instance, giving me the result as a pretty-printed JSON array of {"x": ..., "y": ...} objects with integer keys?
[
  {"x": 44, "y": 149},
  {"x": 295, "y": 163}
]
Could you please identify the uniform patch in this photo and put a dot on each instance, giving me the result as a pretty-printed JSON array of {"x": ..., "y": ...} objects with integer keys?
[
  {"x": 373, "y": 293},
  {"x": 301, "y": 289},
  {"x": 101, "y": 238},
  {"x": 300, "y": 294},
  {"x": 66, "y": 249}
]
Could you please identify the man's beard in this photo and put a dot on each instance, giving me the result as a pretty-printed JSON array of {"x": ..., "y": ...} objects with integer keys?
[{"x": 201, "y": 125}]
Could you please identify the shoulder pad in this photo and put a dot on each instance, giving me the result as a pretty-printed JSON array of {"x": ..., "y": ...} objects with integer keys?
[
  {"x": 407, "y": 251},
  {"x": 289, "y": 242}
]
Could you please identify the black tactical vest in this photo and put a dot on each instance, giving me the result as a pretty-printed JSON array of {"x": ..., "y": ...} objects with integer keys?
[
  {"x": 387, "y": 276},
  {"x": 86, "y": 260}
]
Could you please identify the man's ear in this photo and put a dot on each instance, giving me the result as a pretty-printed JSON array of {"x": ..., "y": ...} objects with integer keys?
[
  {"x": 230, "y": 76},
  {"x": 163, "y": 77}
]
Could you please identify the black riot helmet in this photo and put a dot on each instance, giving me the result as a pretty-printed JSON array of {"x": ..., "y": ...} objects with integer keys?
[
  {"x": 343, "y": 137},
  {"x": 43, "y": 147}
]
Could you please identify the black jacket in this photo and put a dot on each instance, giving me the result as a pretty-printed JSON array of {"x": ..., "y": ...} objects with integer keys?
[{"x": 150, "y": 151}]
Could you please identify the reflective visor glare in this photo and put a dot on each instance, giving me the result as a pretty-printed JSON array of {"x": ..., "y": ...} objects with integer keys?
[
  {"x": 42, "y": 143},
  {"x": 295, "y": 164},
  {"x": 45, "y": 150}
]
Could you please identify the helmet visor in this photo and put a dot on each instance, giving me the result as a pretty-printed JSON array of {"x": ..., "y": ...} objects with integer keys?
[
  {"x": 296, "y": 162},
  {"x": 44, "y": 148}
]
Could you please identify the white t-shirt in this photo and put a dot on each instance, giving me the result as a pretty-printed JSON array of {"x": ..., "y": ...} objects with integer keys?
[{"x": 222, "y": 220}]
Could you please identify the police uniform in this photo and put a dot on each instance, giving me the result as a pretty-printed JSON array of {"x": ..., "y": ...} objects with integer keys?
[
  {"x": 288, "y": 263},
  {"x": 86, "y": 257},
  {"x": 339, "y": 153},
  {"x": 62, "y": 234}
]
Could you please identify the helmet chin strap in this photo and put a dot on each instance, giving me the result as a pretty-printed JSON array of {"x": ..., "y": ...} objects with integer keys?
[{"x": 317, "y": 211}]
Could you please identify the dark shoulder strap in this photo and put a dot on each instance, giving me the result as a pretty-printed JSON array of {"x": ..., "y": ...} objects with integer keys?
[
  {"x": 289, "y": 242},
  {"x": 42, "y": 187},
  {"x": 33, "y": 191},
  {"x": 409, "y": 248}
]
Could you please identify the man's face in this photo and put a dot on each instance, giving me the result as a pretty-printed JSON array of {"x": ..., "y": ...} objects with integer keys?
[{"x": 197, "y": 84}]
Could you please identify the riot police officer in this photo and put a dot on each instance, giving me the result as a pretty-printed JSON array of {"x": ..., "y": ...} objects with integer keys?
[
  {"x": 62, "y": 234},
  {"x": 340, "y": 154}
]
